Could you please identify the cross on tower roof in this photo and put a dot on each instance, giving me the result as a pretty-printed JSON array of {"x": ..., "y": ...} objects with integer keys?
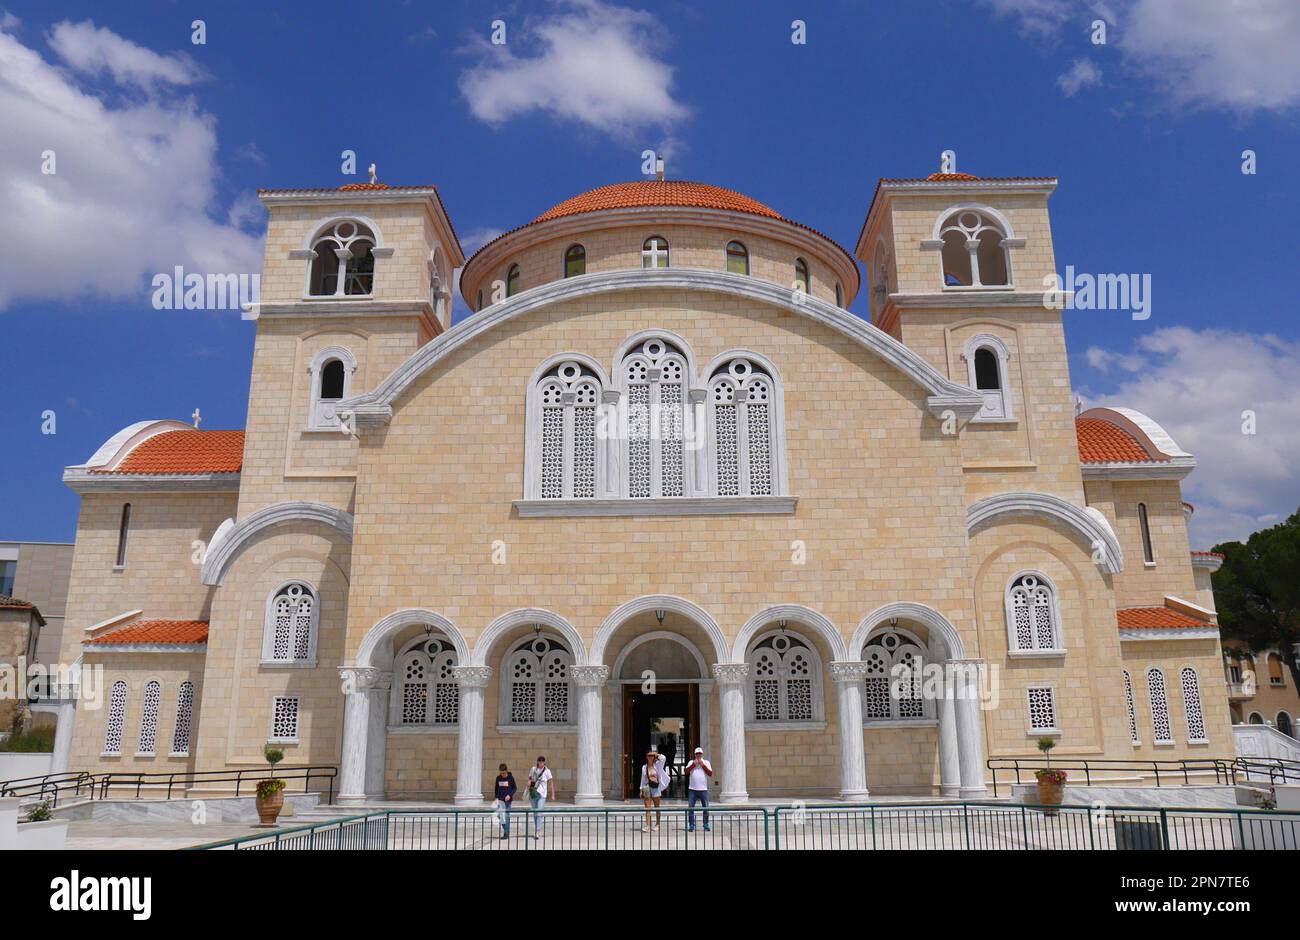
[{"x": 197, "y": 417}]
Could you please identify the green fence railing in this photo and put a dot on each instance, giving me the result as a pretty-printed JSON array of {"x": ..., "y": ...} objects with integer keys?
[{"x": 866, "y": 827}]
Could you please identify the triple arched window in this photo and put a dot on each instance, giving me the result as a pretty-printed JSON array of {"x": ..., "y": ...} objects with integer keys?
[
  {"x": 342, "y": 261},
  {"x": 659, "y": 430},
  {"x": 425, "y": 691},
  {"x": 536, "y": 683},
  {"x": 892, "y": 689},
  {"x": 785, "y": 684},
  {"x": 292, "y": 618},
  {"x": 1033, "y": 615}
]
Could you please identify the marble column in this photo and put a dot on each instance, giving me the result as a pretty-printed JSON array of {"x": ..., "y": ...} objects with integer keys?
[
  {"x": 731, "y": 694},
  {"x": 949, "y": 755},
  {"x": 473, "y": 681},
  {"x": 589, "y": 682},
  {"x": 970, "y": 726},
  {"x": 359, "y": 781},
  {"x": 848, "y": 678}
]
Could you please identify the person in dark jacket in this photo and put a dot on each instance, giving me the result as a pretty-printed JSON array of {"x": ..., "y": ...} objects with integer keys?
[{"x": 505, "y": 797}]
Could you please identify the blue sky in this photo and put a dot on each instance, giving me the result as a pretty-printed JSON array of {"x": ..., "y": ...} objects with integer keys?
[{"x": 160, "y": 143}]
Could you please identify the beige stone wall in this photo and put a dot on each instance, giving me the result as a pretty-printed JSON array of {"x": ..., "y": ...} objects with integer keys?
[
  {"x": 1206, "y": 657},
  {"x": 1140, "y": 584},
  {"x": 690, "y": 246},
  {"x": 15, "y": 644},
  {"x": 42, "y": 578},
  {"x": 136, "y": 670},
  {"x": 902, "y": 760}
]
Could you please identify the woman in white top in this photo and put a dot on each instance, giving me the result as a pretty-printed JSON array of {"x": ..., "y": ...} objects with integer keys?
[{"x": 654, "y": 781}]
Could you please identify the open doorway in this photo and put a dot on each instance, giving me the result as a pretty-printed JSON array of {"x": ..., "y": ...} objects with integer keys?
[{"x": 670, "y": 720}]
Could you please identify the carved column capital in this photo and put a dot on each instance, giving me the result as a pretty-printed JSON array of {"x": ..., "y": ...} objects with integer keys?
[
  {"x": 589, "y": 676},
  {"x": 364, "y": 678},
  {"x": 472, "y": 677},
  {"x": 848, "y": 670},
  {"x": 730, "y": 673}
]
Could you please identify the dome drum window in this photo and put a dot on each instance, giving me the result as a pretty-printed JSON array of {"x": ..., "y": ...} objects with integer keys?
[
  {"x": 654, "y": 252},
  {"x": 343, "y": 261},
  {"x": 575, "y": 261},
  {"x": 737, "y": 258}
]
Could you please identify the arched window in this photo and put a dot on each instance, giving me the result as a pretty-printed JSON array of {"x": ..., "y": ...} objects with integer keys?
[
  {"x": 1255, "y": 718},
  {"x": 1132, "y": 712},
  {"x": 1144, "y": 524},
  {"x": 565, "y": 459},
  {"x": 116, "y": 720},
  {"x": 1033, "y": 616},
  {"x": 292, "y": 616},
  {"x": 986, "y": 371},
  {"x": 802, "y": 280},
  {"x": 149, "y": 719},
  {"x": 184, "y": 719},
  {"x": 784, "y": 680},
  {"x": 654, "y": 253},
  {"x": 536, "y": 683},
  {"x": 839, "y": 296},
  {"x": 331, "y": 381},
  {"x": 425, "y": 691},
  {"x": 1159, "y": 706},
  {"x": 512, "y": 280},
  {"x": 744, "y": 429},
  {"x": 575, "y": 261},
  {"x": 346, "y": 246},
  {"x": 123, "y": 530},
  {"x": 1192, "y": 710},
  {"x": 974, "y": 253},
  {"x": 1275, "y": 675},
  {"x": 654, "y": 376},
  {"x": 737, "y": 258},
  {"x": 1284, "y": 724},
  {"x": 892, "y": 690}
]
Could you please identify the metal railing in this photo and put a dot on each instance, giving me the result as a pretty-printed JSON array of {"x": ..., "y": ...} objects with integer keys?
[
  {"x": 138, "y": 783},
  {"x": 49, "y": 786},
  {"x": 1164, "y": 771},
  {"x": 1275, "y": 769},
  {"x": 864, "y": 827}
]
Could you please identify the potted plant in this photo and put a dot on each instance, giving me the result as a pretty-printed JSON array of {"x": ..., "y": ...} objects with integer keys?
[
  {"x": 270, "y": 792},
  {"x": 1051, "y": 783}
]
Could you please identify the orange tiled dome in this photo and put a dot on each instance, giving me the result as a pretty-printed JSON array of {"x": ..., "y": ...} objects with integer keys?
[{"x": 657, "y": 193}]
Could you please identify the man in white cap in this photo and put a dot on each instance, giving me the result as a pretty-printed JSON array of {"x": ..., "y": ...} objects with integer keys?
[{"x": 698, "y": 772}]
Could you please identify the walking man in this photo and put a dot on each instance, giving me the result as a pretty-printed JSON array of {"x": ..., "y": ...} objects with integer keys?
[
  {"x": 698, "y": 772},
  {"x": 539, "y": 789},
  {"x": 505, "y": 796}
]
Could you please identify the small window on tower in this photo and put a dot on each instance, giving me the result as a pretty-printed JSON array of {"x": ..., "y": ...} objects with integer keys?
[
  {"x": 331, "y": 380},
  {"x": 512, "y": 280},
  {"x": 986, "y": 370}
]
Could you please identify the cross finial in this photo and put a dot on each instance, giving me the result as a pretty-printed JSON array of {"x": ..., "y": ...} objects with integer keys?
[
  {"x": 659, "y": 167},
  {"x": 197, "y": 417},
  {"x": 374, "y": 178},
  {"x": 1078, "y": 405}
]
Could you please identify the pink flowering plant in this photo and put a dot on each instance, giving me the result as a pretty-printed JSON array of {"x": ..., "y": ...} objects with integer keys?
[{"x": 1048, "y": 775}]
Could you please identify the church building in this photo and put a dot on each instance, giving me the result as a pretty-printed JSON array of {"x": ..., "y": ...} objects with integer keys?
[{"x": 658, "y": 486}]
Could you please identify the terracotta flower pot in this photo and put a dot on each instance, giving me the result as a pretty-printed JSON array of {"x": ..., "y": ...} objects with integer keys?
[
  {"x": 1050, "y": 793},
  {"x": 268, "y": 807}
]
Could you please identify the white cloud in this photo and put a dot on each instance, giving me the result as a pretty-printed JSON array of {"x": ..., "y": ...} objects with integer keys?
[
  {"x": 597, "y": 65},
  {"x": 134, "y": 191},
  {"x": 1082, "y": 74},
  {"x": 1238, "y": 55},
  {"x": 95, "y": 50},
  {"x": 1197, "y": 384}
]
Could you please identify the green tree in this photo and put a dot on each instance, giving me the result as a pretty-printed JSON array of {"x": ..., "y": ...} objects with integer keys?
[{"x": 1257, "y": 593}]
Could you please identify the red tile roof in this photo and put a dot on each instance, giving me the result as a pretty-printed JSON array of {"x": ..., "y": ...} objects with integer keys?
[
  {"x": 1157, "y": 618},
  {"x": 657, "y": 193},
  {"x": 186, "y": 452},
  {"x": 1208, "y": 555},
  {"x": 350, "y": 187},
  {"x": 13, "y": 603},
  {"x": 155, "y": 633},
  {"x": 1103, "y": 442}
]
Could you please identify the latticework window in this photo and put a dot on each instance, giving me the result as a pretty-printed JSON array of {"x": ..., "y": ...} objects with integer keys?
[
  {"x": 149, "y": 717},
  {"x": 1042, "y": 709},
  {"x": 742, "y": 402},
  {"x": 292, "y": 616},
  {"x": 184, "y": 718},
  {"x": 536, "y": 683},
  {"x": 284, "y": 718},
  {"x": 655, "y": 377},
  {"x": 892, "y": 689},
  {"x": 1132, "y": 712},
  {"x": 784, "y": 680},
  {"x": 1159, "y": 706},
  {"x": 116, "y": 718},
  {"x": 568, "y": 448},
  {"x": 425, "y": 690},
  {"x": 1031, "y": 614},
  {"x": 1192, "y": 706}
]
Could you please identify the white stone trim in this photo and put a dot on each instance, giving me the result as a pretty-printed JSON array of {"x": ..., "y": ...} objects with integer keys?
[
  {"x": 525, "y": 616},
  {"x": 657, "y": 506},
  {"x": 616, "y": 670},
  {"x": 1206, "y": 561},
  {"x": 83, "y": 482},
  {"x": 92, "y": 649},
  {"x": 317, "y": 420},
  {"x": 1087, "y": 522},
  {"x": 931, "y": 619},
  {"x": 376, "y": 651},
  {"x": 1175, "y": 468},
  {"x": 118, "y": 447},
  {"x": 1155, "y": 440},
  {"x": 1003, "y": 410},
  {"x": 1058, "y": 646},
  {"x": 795, "y": 613},
  {"x": 1187, "y": 607},
  {"x": 1209, "y": 632},
  {"x": 677, "y": 605},
  {"x": 330, "y": 221},
  {"x": 113, "y": 621},
  {"x": 376, "y": 407},
  {"x": 221, "y": 553},
  {"x": 268, "y": 627}
]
